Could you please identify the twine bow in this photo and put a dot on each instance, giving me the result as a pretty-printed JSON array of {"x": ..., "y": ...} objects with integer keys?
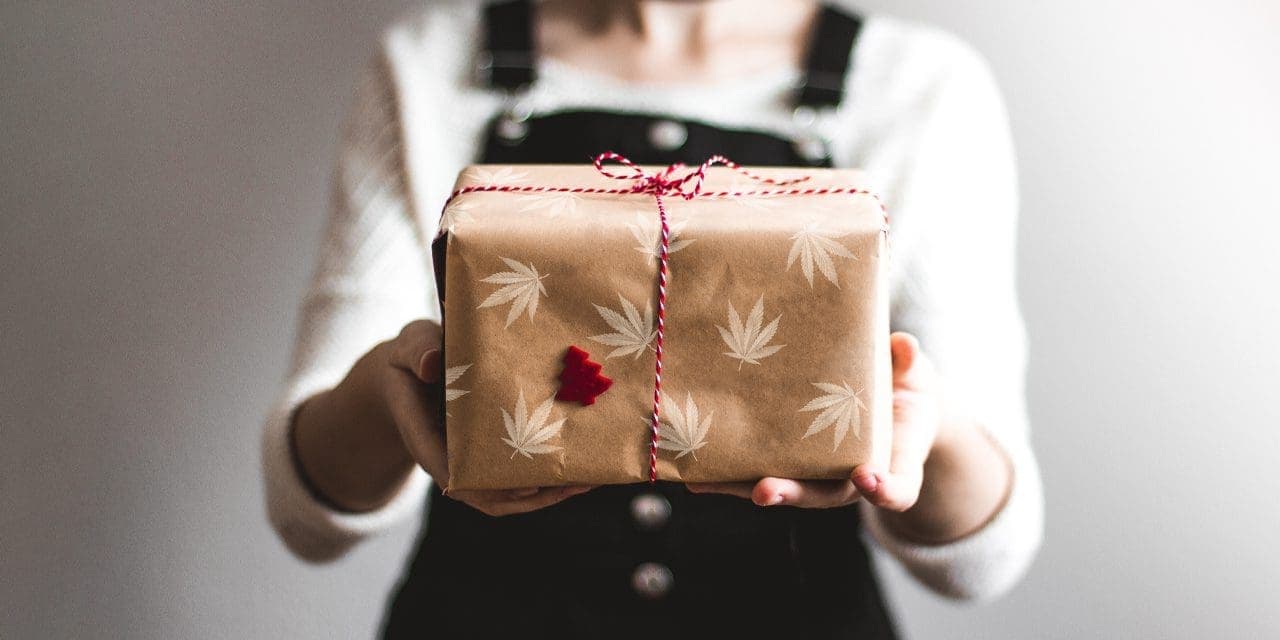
[{"x": 667, "y": 182}]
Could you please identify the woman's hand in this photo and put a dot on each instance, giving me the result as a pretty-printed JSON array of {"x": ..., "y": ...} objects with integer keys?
[
  {"x": 916, "y": 421},
  {"x": 414, "y": 395},
  {"x": 358, "y": 442}
]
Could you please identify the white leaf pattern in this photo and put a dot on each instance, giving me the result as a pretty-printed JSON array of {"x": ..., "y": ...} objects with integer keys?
[
  {"x": 458, "y": 212},
  {"x": 632, "y": 333},
  {"x": 681, "y": 431},
  {"x": 648, "y": 234},
  {"x": 528, "y": 433},
  {"x": 500, "y": 175},
  {"x": 840, "y": 407},
  {"x": 750, "y": 342},
  {"x": 451, "y": 376},
  {"x": 555, "y": 203},
  {"x": 521, "y": 286},
  {"x": 813, "y": 246}
]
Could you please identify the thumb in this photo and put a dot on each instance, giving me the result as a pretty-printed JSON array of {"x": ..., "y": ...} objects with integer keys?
[
  {"x": 905, "y": 349},
  {"x": 911, "y": 368},
  {"x": 429, "y": 366},
  {"x": 417, "y": 350}
]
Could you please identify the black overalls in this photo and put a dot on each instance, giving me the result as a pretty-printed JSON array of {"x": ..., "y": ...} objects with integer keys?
[{"x": 642, "y": 561}]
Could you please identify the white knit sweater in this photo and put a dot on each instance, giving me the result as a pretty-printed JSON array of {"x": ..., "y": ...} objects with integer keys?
[{"x": 922, "y": 115}]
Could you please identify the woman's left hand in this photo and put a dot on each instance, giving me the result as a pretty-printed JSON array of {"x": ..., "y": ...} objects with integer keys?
[{"x": 917, "y": 417}]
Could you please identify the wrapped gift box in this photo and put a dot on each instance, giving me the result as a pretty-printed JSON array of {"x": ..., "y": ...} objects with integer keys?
[{"x": 775, "y": 354}]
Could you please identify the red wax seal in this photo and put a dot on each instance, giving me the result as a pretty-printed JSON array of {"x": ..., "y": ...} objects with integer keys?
[{"x": 581, "y": 380}]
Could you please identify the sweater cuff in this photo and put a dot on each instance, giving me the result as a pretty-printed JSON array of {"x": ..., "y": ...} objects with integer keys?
[
  {"x": 310, "y": 528},
  {"x": 982, "y": 565}
]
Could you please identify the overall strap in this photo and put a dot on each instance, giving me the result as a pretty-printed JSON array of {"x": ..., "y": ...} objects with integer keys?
[
  {"x": 508, "y": 59},
  {"x": 829, "y": 58}
]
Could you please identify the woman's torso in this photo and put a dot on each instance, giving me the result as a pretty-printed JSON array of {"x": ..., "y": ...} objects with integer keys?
[{"x": 642, "y": 560}]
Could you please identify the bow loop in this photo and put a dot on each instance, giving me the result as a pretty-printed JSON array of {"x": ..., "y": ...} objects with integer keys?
[{"x": 669, "y": 181}]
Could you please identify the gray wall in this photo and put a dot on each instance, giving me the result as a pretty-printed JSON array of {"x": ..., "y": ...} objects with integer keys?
[{"x": 163, "y": 183}]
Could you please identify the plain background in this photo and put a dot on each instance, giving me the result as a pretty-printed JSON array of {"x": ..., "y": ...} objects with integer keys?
[{"x": 164, "y": 179}]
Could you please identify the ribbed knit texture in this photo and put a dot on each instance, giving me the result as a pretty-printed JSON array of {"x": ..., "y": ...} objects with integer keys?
[{"x": 923, "y": 116}]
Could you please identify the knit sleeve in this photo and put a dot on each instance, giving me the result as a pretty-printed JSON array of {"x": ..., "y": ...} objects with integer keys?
[
  {"x": 954, "y": 209},
  {"x": 373, "y": 277}
]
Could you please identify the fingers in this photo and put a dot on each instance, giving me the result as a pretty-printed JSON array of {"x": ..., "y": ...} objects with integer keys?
[
  {"x": 415, "y": 359},
  {"x": 417, "y": 350},
  {"x": 511, "y": 502},
  {"x": 774, "y": 492},
  {"x": 893, "y": 491},
  {"x": 915, "y": 424},
  {"x": 739, "y": 489},
  {"x": 416, "y": 413},
  {"x": 544, "y": 498},
  {"x": 809, "y": 494}
]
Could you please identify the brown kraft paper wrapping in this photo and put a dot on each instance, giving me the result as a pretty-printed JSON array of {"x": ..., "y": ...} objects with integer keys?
[{"x": 777, "y": 326}]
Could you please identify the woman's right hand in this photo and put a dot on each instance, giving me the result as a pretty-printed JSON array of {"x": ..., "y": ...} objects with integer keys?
[{"x": 412, "y": 390}]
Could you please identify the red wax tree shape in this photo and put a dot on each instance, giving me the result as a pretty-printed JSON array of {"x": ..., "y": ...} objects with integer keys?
[{"x": 581, "y": 380}]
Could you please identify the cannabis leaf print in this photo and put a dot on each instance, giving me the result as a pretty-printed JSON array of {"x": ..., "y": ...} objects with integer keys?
[
  {"x": 681, "y": 431},
  {"x": 632, "y": 333},
  {"x": 451, "y": 376},
  {"x": 841, "y": 407},
  {"x": 750, "y": 342},
  {"x": 458, "y": 212},
  {"x": 528, "y": 433},
  {"x": 521, "y": 287},
  {"x": 648, "y": 235},
  {"x": 814, "y": 246},
  {"x": 757, "y": 202},
  {"x": 553, "y": 202},
  {"x": 495, "y": 176}
]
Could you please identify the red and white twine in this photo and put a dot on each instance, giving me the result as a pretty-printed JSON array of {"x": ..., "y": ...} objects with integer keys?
[
  {"x": 662, "y": 327},
  {"x": 661, "y": 184}
]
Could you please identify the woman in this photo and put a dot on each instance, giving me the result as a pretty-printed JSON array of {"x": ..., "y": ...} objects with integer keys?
[{"x": 765, "y": 82}]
